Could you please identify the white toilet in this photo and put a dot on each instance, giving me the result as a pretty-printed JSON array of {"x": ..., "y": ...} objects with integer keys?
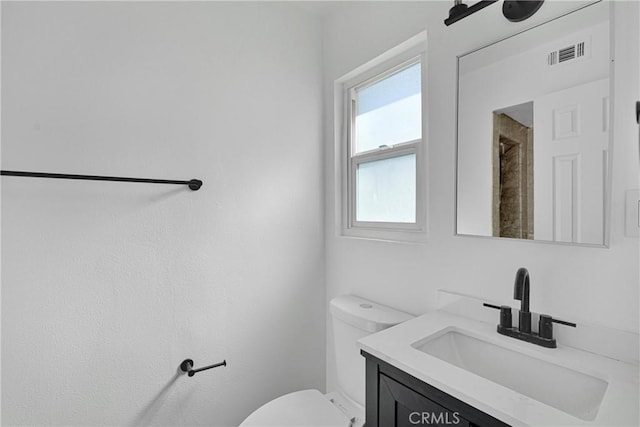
[{"x": 353, "y": 318}]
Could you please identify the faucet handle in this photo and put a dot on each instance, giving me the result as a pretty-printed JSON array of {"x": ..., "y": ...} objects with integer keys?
[
  {"x": 545, "y": 325},
  {"x": 505, "y": 314}
]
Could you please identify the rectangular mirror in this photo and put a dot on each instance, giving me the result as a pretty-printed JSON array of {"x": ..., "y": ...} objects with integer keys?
[{"x": 534, "y": 133}]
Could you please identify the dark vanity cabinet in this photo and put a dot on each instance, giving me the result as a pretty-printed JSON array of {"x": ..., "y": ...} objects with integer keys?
[{"x": 397, "y": 399}]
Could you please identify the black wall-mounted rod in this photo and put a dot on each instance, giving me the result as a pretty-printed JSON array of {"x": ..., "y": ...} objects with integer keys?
[
  {"x": 187, "y": 366},
  {"x": 193, "y": 184},
  {"x": 460, "y": 10}
]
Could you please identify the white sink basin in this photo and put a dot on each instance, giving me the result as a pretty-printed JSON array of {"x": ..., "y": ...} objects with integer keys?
[{"x": 565, "y": 389}]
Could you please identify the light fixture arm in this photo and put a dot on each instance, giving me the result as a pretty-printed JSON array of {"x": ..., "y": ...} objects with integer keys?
[
  {"x": 513, "y": 10},
  {"x": 461, "y": 10}
]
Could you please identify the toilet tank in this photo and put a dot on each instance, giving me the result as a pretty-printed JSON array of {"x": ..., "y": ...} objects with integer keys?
[{"x": 354, "y": 318}]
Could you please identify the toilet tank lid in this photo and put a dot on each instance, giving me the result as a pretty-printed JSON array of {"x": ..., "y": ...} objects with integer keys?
[{"x": 364, "y": 314}]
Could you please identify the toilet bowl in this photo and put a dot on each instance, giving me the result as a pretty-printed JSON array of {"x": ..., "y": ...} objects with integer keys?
[
  {"x": 304, "y": 408},
  {"x": 353, "y": 318}
]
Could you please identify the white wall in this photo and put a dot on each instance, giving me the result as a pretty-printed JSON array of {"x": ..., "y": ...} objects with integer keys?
[
  {"x": 575, "y": 283},
  {"x": 107, "y": 287}
]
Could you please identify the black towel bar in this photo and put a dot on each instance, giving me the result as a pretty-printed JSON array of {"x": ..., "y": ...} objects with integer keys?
[{"x": 193, "y": 184}]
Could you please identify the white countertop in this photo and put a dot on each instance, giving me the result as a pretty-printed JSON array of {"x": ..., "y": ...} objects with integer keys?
[{"x": 619, "y": 405}]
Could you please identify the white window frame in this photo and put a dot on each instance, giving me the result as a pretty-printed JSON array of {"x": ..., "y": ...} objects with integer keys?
[{"x": 403, "y": 56}]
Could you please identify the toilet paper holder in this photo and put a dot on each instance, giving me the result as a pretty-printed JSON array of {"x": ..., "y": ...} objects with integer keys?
[{"x": 187, "y": 366}]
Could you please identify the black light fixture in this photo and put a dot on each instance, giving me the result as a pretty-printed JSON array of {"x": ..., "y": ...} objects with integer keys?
[
  {"x": 516, "y": 11},
  {"x": 513, "y": 10}
]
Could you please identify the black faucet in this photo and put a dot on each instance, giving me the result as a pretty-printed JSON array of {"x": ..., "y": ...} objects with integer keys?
[
  {"x": 521, "y": 292},
  {"x": 544, "y": 336}
]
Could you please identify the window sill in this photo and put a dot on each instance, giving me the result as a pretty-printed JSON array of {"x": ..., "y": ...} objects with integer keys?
[{"x": 393, "y": 236}]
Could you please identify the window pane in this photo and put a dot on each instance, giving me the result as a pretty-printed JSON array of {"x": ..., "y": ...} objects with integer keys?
[
  {"x": 389, "y": 111},
  {"x": 386, "y": 190}
]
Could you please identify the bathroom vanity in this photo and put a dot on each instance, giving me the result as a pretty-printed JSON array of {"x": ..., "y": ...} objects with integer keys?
[{"x": 446, "y": 369}]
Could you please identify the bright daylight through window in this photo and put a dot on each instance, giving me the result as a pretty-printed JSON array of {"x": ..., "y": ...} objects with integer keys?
[{"x": 384, "y": 139}]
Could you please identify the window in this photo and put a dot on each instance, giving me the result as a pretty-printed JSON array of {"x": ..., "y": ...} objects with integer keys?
[{"x": 384, "y": 189}]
